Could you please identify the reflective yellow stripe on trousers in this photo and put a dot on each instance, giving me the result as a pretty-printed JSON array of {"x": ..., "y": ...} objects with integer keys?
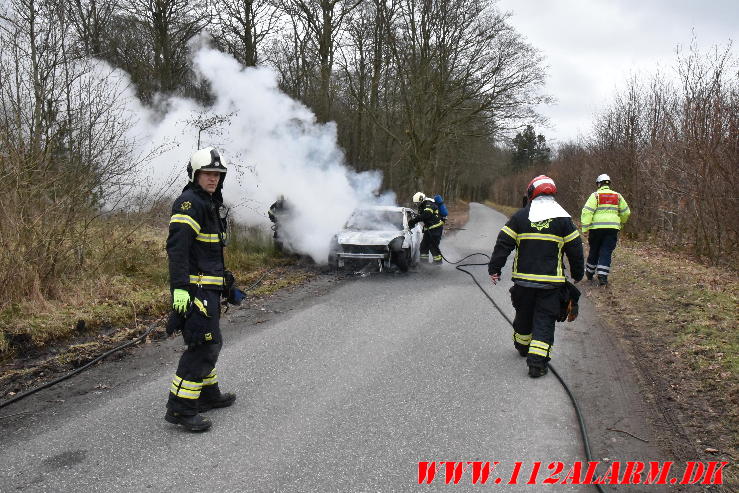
[{"x": 209, "y": 280}]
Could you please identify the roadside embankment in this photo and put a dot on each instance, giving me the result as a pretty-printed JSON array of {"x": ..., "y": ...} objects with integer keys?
[{"x": 108, "y": 303}]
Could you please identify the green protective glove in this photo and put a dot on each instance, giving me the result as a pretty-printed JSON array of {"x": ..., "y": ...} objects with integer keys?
[{"x": 180, "y": 300}]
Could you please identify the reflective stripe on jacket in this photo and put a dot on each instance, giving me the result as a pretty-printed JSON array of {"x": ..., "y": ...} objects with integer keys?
[
  {"x": 604, "y": 208},
  {"x": 539, "y": 249},
  {"x": 428, "y": 213},
  {"x": 195, "y": 241}
]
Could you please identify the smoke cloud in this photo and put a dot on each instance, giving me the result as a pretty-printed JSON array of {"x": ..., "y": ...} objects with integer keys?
[{"x": 272, "y": 145}]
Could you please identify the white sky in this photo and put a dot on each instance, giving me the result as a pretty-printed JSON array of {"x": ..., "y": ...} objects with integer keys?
[{"x": 593, "y": 46}]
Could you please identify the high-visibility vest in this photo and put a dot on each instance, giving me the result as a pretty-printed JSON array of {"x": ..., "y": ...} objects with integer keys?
[{"x": 605, "y": 208}]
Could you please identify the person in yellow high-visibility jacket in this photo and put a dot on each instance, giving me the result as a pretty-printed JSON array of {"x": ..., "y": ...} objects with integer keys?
[{"x": 603, "y": 216}]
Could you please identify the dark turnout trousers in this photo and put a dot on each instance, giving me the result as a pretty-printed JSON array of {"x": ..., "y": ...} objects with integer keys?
[
  {"x": 536, "y": 312},
  {"x": 196, "y": 376},
  {"x": 602, "y": 243},
  {"x": 430, "y": 241}
]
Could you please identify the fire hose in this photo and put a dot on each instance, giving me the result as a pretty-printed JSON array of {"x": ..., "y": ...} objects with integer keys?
[{"x": 583, "y": 430}]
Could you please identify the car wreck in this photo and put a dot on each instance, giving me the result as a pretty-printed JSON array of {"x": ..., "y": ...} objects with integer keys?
[{"x": 377, "y": 234}]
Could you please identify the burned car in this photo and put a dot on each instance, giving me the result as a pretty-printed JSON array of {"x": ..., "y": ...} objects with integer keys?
[{"x": 378, "y": 234}]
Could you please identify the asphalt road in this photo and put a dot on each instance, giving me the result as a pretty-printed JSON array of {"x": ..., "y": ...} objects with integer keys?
[{"x": 348, "y": 393}]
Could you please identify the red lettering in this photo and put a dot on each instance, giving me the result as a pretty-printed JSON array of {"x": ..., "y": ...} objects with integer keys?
[
  {"x": 693, "y": 473},
  {"x": 632, "y": 475},
  {"x": 573, "y": 475},
  {"x": 534, "y": 473},
  {"x": 553, "y": 477},
  {"x": 658, "y": 472},
  {"x": 454, "y": 471},
  {"x": 611, "y": 476},
  {"x": 514, "y": 474},
  {"x": 590, "y": 473},
  {"x": 713, "y": 475},
  {"x": 481, "y": 471},
  {"x": 426, "y": 472}
]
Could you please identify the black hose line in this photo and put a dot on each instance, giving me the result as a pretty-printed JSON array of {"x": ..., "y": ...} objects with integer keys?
[
  {"x": 81, "y": 368},
  {"x": 460, "y": 268},
  {"x": 580, "y": 419},
  {"x": 103, "y": 356}
]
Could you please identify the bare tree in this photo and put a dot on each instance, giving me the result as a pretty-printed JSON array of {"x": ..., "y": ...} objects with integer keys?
[
  {"x": 322, "y": 20},
  {"x": 671, "y": 145},
  {"x": 244, "y": 25},
  {"x": 460, "y": 67},
  {"x": 64, "y": 153},
  {"x": 170, "y": 25},
  {"x": 91, "y": 20}
]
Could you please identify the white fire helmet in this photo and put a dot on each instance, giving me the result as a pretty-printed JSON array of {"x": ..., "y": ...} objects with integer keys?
[
  {"x": 418, "y": 197},
  {"x": 602, "y": 178},
  {"x": 207, "y": 159}
]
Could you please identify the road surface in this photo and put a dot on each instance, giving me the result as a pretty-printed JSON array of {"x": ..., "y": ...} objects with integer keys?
[{"x": 348, "y": 392}]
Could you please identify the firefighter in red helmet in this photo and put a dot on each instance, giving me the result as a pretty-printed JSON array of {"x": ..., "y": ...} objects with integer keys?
[{"x": 541, "y": 233}]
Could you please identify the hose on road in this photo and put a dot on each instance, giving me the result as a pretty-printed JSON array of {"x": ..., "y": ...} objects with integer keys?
[
  {"x": 458, "y": 265},
  {"x": 580, "y": 420},
  {"x": 123, "y": 346}
]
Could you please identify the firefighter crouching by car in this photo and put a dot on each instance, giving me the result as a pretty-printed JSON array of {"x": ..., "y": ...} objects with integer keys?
[
  {"x": 198, "y": 279},
  {"x": 540, "y": 232},
  {"x": 603, "y": 216},
  {"x": 428, "y": 213}
]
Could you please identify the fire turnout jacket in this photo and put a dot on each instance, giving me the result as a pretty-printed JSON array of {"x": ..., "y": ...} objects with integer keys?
[
  {"x": 196, "y": 240},
  {"x": 539, "y": 249},
  {"x": 428, "y": 213},
  {"x": 604, "y": 209}
]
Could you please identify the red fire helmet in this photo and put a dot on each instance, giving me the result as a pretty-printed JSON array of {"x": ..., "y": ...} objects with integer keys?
[{"x": 541, "y": 185}]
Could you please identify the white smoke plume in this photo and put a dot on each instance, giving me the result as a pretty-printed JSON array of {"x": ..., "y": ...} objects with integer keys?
[{"x": 272, "y": 145}]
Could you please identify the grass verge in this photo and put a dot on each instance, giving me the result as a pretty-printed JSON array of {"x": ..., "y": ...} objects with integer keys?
[
  {"x": 503, "y": 209},
  {"x": 110, "y": 302},
  {"x": 678, "y": 318}
]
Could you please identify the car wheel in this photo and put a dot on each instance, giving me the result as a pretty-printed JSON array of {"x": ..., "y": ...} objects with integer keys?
[
  {"x": 416, "y": 257},
  {"x": 402, "y": 259},
  {"x": 333, "y": 261}
]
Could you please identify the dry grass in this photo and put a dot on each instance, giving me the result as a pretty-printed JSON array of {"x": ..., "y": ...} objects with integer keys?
[
  {"x": 122, "y": 279},
  {"x": 503, "y": 209},
  {"x": 680, "y": 320}
]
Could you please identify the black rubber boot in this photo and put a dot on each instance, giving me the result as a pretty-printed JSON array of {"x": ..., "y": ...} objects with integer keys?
[
  {"x": 523, "y": 351},
  {"x": 602, "y": 280},
  {"x": 212, "y": 402},
  {"x": 191, "y": 422},
  {"x": 537, "y": 371}
]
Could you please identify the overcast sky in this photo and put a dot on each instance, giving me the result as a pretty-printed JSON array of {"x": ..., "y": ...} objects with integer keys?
[{"x": 593, "y": 46}]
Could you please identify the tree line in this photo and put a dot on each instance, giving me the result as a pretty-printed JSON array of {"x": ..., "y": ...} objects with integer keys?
[
  {"x": 420, "y": 89},
  {"x": 670, "y": 142}
]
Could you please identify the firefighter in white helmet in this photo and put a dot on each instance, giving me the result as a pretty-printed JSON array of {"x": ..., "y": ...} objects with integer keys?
[
  {"x": 428, "y": 214},
  {"x": 603, "y": 216},
  {"x": 198, "y": 280}
]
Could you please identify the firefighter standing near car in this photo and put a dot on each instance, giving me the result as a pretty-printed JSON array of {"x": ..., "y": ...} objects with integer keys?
[
  {"x": 603, "y": 216},
  {"x": 198, "y": 280},
  {"x": 428, "y": 213},
  {"x": 540, "y": 233},
  {"x": 277, "y": 213}
]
